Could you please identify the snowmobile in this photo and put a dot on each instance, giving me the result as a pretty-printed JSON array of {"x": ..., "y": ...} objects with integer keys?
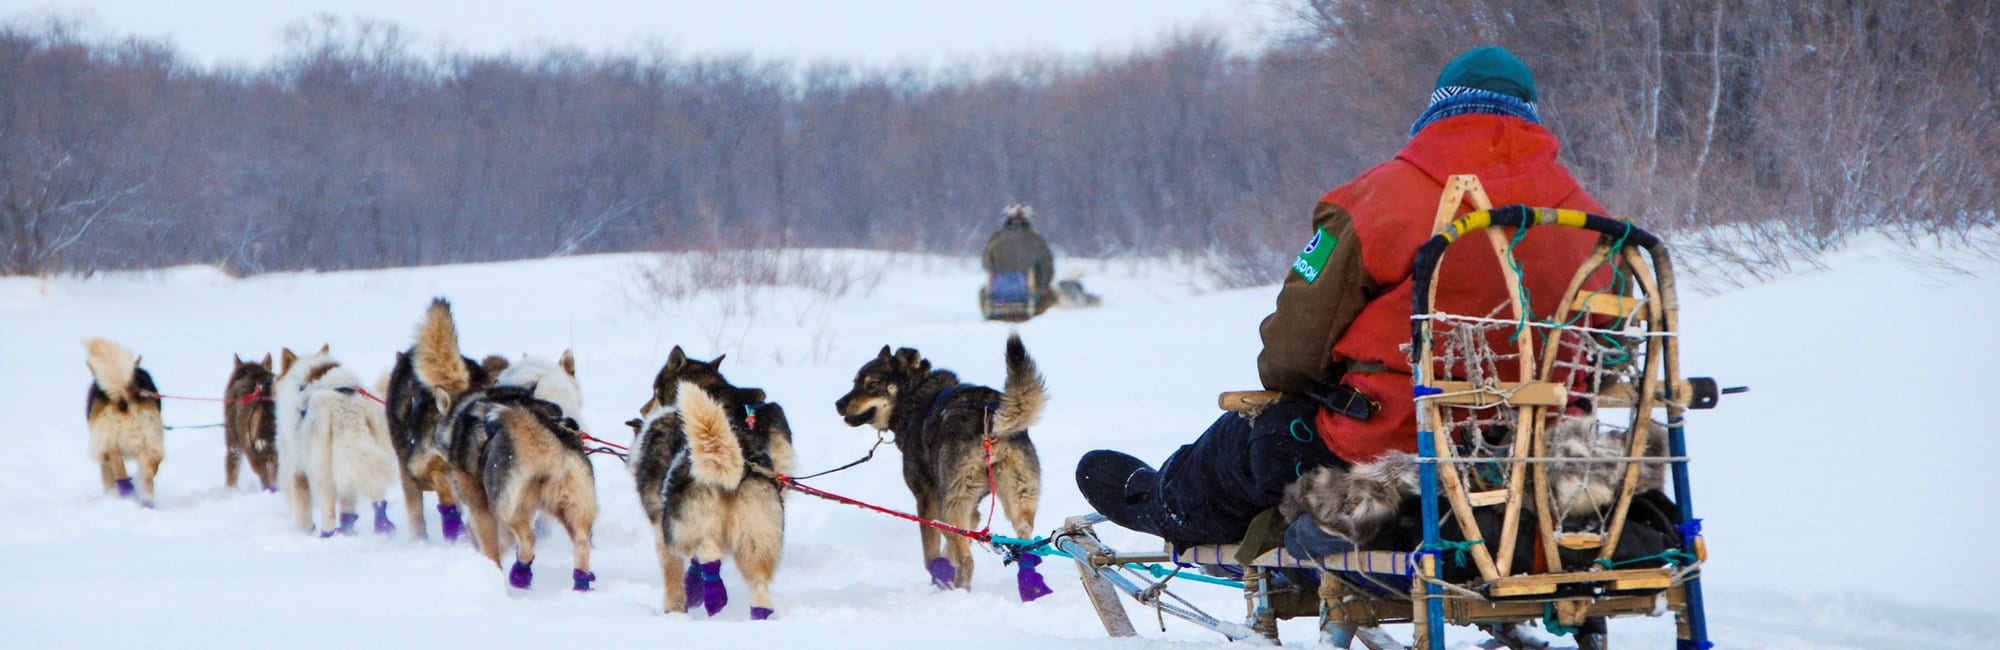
[{"x": 1511, "y": 533}]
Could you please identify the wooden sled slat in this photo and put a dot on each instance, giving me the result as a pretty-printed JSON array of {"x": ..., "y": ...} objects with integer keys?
[
  {"x": 1547, "y": 583},
  {"x": 1530, "y": 393},
  {"x": 1606, "y": 305}
]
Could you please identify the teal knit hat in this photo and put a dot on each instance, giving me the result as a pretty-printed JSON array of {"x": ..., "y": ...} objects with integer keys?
[{"x": 1490, "y": 68}]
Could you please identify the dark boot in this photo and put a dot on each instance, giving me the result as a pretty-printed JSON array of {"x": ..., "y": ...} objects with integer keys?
[
  {"x": 1029, "y": 581},
  {"x": 942, "y": 573},
  {"x": 582, "y": 579},
  {"x": 1122, "y": 488},
  {"x": 125, "y": 489},
  {"x": 382, "y": 524},
  {"x": 691, "y": 583},
  {"x": 347, "y": 520},
  {"x": 521, "y": 576},
  {"x": 761, "y": 613},
  {"x": 454, "y": 526},
  {"x": 713, "y": 594}
]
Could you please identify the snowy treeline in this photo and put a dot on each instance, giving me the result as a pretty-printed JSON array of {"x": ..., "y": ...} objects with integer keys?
[{"x": 363, "y": 147}]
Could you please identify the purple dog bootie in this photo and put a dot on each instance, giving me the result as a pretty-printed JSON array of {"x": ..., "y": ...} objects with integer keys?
[
  {"x": 761, "y": 613},
  {"x": 713, "y": 594},
  {"x": 270, "y": 489},
  {"x": 382, "y": 524},
  {"x": 454, "y": 526},
  {"x": 1029, "y": 581},
  {"x": 521, "y": 576},
  {"x": 347, "y": 520},
  {"x": 691, "y": 584},
  {"x": 125, "y": 488},
  {"x": 942, "y": 573},
  {"x": 582, "y": 579}
]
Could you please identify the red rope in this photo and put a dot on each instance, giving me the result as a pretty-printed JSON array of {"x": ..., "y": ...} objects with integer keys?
[
  {"x": 364, "y": 393},
  {"x": 982, "y": 535},
  {"x": 787, "y": 481},
  {"x": 620, "y": 451}
]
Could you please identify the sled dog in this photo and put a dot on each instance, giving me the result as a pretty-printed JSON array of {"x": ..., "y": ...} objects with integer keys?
[
  {"x": 1360, "y": 502},
  {"x": 249, "y": 423},
  {"x": 940, "y": 426},
  {"x": 333, "y": 445},
  {"x": 701, "y": 462},
  {"x": 124, "y": 419},
  {"x": 511, "y": 451},
  {"x": 414, "y": 412}
]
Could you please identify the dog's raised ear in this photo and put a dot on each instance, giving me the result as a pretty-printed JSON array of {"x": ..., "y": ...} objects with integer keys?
[
  {"x": 909, "y": 358},
  {"x": 717, "y": 363},
  {"x": 638, "y": 425},
  {"x": 884, "y": 355},
  {"x": 237, "y": 358},
  {"x": 325, "y": 348},
  {"x": 138, "y": 359},
  {"x": 266, "y": 363},
  {"x": 676, "y": 359},
  {"x": 443, "y": 400},
  {"x": 568, "y": 362},
  {"x": 286, "y": 358}
]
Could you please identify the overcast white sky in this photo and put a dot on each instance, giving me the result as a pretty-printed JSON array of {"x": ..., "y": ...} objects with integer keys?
[{"x": 919, "y": 32}]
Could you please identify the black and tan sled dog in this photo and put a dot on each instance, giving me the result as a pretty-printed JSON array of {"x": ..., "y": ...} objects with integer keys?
[
  {"x": 413, "y": 420},
  {"x": 124, "y": 417},
  {"x": 703, "y": 465},
  {"x": 510, "y": 451},
  {"x": 941, "y": 426}
]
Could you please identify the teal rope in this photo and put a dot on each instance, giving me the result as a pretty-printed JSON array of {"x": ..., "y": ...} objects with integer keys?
[
  {"x": 1299, "y": 430},
  {"x": 1457, "y": 549},
  {"x": 1553, "y": 624},
  {"x": 171, "y": 427},
  {"x": 1672, "y": 556},
  {"x": 1521, "y": 310},
  {"x": 1037, "y": 546}
]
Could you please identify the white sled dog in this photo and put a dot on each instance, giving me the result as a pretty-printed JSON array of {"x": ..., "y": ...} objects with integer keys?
[
  {"x": 124, "y": 417},
  {"x": 333, "y": 445}
]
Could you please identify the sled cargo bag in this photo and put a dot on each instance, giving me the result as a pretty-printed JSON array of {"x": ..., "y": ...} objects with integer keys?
[{"x": 1009, "y": 296}]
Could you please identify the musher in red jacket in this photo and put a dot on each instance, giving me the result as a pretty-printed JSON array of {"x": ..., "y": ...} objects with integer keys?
[{"x": 1343, "y": 314}]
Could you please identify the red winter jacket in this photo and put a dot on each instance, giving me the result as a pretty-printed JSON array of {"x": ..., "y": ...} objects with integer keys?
[{"x": 1393, "y": 207}]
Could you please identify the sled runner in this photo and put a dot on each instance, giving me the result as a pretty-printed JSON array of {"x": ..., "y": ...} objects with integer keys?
[{"x": 1544, "y": 440}]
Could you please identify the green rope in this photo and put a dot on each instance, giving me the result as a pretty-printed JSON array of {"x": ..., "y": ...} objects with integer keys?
[
  {"x": 1553, "y": 624},
  {"x": 1520, "y": 310},
  {"x": 1457, "y": 549},
  {"x": 1671, "y": 556},
  {"x": 1039, "y": 546}
]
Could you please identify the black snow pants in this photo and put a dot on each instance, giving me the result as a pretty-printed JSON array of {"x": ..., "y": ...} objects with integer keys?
[{"x": 1211, "y": 488}]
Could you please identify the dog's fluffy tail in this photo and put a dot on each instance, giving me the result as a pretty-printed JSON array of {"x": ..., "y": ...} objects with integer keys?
[
  {"x": 438, "y": 362},
  {"x": 714, "y": 455},
  {"x": 110, "y": 364},
  {"x": 1025, "y": 393}
]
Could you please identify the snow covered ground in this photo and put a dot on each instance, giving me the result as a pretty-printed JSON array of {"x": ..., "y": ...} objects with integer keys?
[{"x": 1848, "y": 498}]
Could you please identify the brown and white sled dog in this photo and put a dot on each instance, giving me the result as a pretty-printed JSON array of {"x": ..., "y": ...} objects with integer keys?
[
  {"x": 703, "y": 465},
  {"x": 249, "y": 423},
  {"x": 512, "y": 451},
  {"x": 124, "y": 418},
  {"x": 940, "y": 426},
  {"x": 333, "y": 445},
  {"x": 415, "y": 411}
]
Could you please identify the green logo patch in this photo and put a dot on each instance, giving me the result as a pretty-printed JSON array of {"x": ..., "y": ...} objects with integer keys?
[{"x": 1312, "y": 260}]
